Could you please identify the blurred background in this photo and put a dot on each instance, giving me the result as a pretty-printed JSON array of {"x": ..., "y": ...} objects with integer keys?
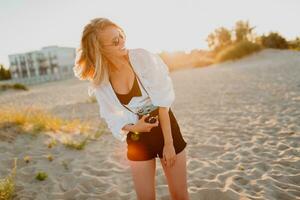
[
  {"x": 38, "y": 37},
  {"x": 235, "y": 67}
]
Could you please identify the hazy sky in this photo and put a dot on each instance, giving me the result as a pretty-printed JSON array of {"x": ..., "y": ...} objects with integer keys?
[{"x": 156, "y": 25}]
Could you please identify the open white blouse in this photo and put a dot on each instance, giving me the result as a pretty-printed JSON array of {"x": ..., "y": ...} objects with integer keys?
[{"x": 154, "y": 75}]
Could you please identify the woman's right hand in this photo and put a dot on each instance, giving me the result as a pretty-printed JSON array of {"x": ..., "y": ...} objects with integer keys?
[{"x": 142, "y": 126}]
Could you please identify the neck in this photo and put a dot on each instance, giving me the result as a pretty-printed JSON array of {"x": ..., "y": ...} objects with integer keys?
[{"x": 116, "y": 64}]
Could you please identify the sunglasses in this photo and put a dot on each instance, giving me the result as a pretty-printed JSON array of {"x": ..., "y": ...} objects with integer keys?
[{"x": 116, "y": 42}]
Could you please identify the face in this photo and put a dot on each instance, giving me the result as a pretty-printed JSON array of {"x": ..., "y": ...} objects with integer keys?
[{"x": 113, "y": 41}]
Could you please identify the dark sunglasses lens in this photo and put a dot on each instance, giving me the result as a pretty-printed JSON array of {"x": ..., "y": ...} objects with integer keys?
[{"x": 116, "y": 43}]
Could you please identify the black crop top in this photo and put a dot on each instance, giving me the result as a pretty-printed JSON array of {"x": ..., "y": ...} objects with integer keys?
[{"x": 134, "y": 92}]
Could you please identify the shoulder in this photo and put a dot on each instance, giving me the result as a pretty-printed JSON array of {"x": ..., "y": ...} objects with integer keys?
[
  {"x": 141, "y": 53},
  {"x": 139, "y": 50},
  {"x": 97, "y": 90},
  {"x": 143, "y": 57}
]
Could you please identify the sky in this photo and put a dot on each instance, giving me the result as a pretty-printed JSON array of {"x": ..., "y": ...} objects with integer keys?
[{"x": 156, "y": 25}]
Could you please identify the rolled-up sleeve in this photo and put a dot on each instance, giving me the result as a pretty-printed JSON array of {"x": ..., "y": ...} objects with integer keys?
[
  {"x": 114, "y": 118},
  {"x": 159, "y": 82}
]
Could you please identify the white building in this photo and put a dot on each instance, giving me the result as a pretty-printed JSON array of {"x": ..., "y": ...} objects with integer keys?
[{"x": 49, "y": 63}]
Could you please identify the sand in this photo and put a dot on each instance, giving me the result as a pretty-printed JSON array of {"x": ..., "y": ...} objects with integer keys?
[{"x": 241, "y": 121}]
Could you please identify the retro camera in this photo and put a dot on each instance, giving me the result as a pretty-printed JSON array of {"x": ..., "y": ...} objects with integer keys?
[{"x": 151, "y": 110}]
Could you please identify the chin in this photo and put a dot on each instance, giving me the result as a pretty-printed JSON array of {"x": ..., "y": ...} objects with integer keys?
[{"x": 124, "y": 52}]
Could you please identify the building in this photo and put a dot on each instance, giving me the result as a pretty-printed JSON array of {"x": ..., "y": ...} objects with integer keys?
[{"x": 49, "y": 63}]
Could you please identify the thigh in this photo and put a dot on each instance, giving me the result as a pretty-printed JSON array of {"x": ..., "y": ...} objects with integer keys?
[
  {"x": 143, "y": 173},
  {"x": 139, "y": 147},
  {"x": 177, "y": 177}
]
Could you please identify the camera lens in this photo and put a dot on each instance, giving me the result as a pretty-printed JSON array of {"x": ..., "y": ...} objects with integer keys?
[
  {"x": 152, "y": 120},
  {"x": 141, "y": 110}
]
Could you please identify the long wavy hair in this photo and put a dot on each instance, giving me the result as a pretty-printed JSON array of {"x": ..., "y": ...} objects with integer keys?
[{"x": 91, "y": 63}]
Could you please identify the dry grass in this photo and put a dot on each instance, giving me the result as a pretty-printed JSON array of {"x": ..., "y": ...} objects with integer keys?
[
  {"x": 7, "y": 185},
  {"x": 237, "y": 50},
  {"x": 35, "y": 120},
  {"x": 92, "y": 99},
  {"x": 52, "y": 143},
  {"x": 78, "y": 145}
]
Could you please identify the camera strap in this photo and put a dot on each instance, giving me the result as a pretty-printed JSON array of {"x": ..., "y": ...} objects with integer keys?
[{"x": 141, "y": 85}]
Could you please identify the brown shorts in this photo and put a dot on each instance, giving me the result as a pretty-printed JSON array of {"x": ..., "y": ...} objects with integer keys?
[{"x": 149, "y": 145}]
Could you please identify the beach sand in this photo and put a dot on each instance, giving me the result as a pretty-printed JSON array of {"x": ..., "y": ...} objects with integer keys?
[{"x": 241, "y": 120}]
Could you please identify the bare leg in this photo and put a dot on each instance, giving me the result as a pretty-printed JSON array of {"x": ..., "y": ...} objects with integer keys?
[
  {"x": 177, "y": 178},
  {"x": 143, "y": 173}
]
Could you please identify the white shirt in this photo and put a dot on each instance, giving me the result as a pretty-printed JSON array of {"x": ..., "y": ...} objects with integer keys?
[{"x": 154, "y": 75}]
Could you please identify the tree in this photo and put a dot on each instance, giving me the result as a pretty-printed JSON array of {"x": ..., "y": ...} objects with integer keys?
[
  {"x": 4, "y": 73},
  {"x": 294, "y": 44},
  {"x": 273, "y": 40},
  {"x": 223, "y": 37},
  {"x": 219, "y": 39},
  {"x": 243, "y": 31}
]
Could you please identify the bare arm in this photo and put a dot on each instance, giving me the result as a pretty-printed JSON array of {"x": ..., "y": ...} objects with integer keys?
[
  {"x": 164, "y": 119},
  {"x": 129, "y": 127},
  {"x": 141, "y": 125}
]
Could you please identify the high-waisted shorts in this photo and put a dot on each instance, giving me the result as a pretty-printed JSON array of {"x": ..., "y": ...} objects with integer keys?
[{"x": 149, "y": 145}]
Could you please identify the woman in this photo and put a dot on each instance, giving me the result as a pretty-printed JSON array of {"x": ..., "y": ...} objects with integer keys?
[{"x": 124, "y": 81}]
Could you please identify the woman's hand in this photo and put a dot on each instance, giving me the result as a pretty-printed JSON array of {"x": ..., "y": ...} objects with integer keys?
[
  {"x": 169, "y": 155},
  {"x": 142, "y": 126}
]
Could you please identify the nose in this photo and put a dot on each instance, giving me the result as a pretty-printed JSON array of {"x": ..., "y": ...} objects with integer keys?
[{"x": 122, "y": 42}]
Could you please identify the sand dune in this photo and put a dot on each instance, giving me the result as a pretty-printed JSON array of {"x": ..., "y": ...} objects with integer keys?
[{"x": 241, "y": 121}]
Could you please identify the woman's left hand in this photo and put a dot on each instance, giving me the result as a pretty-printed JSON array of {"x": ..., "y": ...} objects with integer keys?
[{"x": 169, "y": 155}]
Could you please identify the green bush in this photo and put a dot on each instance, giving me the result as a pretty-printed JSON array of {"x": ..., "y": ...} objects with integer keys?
[
  {"x": 41, "y": 176},
  {"x": 273, "y": 40},
  {"x": 237, "y": 50},
  {"x": 19, "y": 86},
  {"x": 16, "y": 86}
]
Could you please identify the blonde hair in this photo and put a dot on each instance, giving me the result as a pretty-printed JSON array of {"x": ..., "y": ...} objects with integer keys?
[{"x": 91, "y": 63}]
